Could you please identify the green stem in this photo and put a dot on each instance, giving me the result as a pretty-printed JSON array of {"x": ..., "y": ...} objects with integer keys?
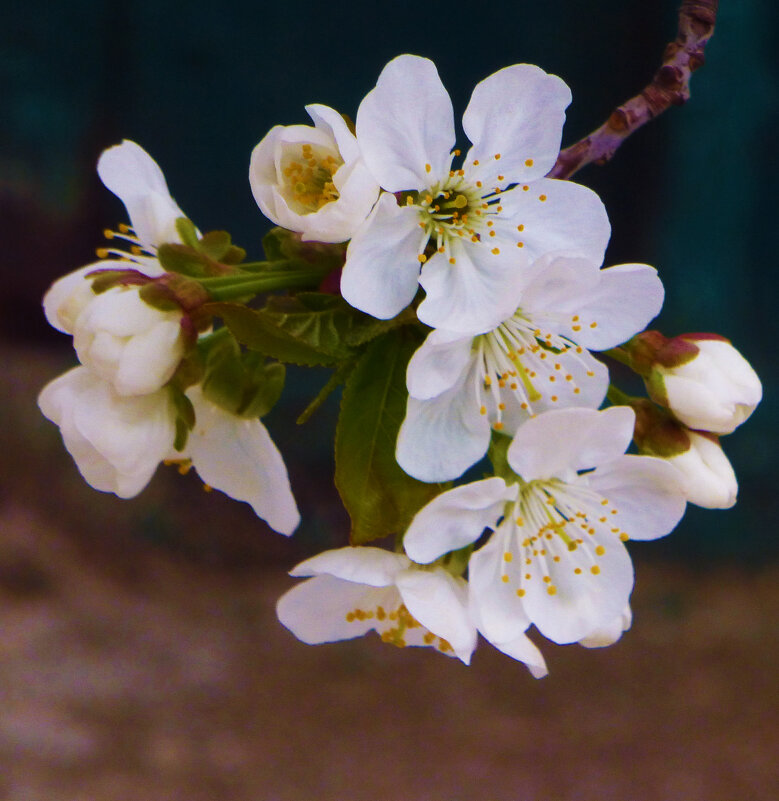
[
  {"x": 618, "y": 397},
  {"x": 620, "y": 355},
  {"x": 338, "y": 377},
  {"x": 241, "y": 286}
]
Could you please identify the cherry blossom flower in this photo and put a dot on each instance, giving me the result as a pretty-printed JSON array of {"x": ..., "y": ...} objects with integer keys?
[
  {"x": 355, "y": 590},
  {"x": 537, "y": 358},
  {"x": 117, "y": 442},
  {"x": 468, "y": 229},
  {"x": 556, "y": 556},
  {"x": 313, "y": 179},
  {"x": 715, "y": 390}
]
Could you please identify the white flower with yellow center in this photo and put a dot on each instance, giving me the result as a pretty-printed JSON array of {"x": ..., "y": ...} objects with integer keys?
[
  {"x": 312, "y": 179},
  {"x": 537, "y": 358},
  {"x": 355, "y": 590},
  {"x": 556, "y": 557},
  {"x": 468, "y": 229}
]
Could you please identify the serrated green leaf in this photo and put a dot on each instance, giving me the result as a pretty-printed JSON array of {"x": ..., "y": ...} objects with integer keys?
[
  {"x": 259, "y": 331},
  {"x": 326, "y": 322},
  {"x": 381, "y": 499}
]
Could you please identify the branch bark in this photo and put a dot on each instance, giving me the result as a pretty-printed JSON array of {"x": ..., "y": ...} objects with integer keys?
[{"x": 669, "y": 87}]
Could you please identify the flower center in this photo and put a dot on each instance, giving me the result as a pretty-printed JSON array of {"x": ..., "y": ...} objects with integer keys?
[
  {"x": 522, "y": 358},
  {"x": 554, "y": 522},
  {"x": 455, "y": 208},
  {"x": 308, "y": 176}
]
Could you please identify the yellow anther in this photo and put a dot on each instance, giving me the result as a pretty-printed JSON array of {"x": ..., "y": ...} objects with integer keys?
[
  {"x": 101, "y": 253},
  {"x": 595, "y": 570},
  {"x": 501, "y": 177},
  {"x": 483, "y": 410},
  {"x": 207, "y": 488},
  {"x": 552, "y": 590},
  {"x": 478, "y": 184},
  {"x": 525, "y": 188},
  {"x": 504, "y": 578},
  {"x": 422, "y": 258},
  {"x": 577, "y": 570},
  {"x": 428, "y": 168},
  {"x": 542, "y": 198},
  {"x": 495, "y": 251},
  {"x": 508, "y": 556},
  {"x": 528, "y": 162},
  {"x": 498, "y": 426},
  {"x": 521, "y": 593},
  {"x": 520, "y": 522},
  {"x": 593, "y": 324},
  {"x": 452, "y": 260},
  {"x": 497, "y": 156},
  {"x": 476, "y": 162},
  {"x": 600, "y": 550}
]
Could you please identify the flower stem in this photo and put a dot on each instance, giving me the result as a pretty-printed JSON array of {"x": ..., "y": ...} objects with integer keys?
[
  {"x": 619, "y": 354},
  {"x": 618, "y": 397},
  {"x": 229, "y": 288}
]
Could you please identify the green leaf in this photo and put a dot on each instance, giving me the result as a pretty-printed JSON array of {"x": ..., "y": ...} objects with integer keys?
[
  {"x": 380, "y": 498},
  {"x": 326, "y": 322},
  {"x": 260, "y": 331},
  {"x": 243, "y": 384}
]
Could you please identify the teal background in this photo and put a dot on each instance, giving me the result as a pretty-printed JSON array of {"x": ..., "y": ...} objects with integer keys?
[{"x": 198, "y": 85}]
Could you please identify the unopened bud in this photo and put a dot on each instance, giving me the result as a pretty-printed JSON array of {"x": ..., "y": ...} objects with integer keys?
[{"x": 715, "y": 389}]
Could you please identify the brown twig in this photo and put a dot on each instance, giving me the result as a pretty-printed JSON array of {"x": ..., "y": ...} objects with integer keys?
[{"x": 669, "y": 87}]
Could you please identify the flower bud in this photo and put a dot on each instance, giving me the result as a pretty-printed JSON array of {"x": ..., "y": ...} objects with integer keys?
[
  {"x": 708, "y": 478},
  {"x": 127, "y": 342},
  {"x": 704, "y": 381}
]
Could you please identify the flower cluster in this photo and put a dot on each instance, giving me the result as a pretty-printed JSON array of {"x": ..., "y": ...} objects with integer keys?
[{"x": 463, "y": 303}]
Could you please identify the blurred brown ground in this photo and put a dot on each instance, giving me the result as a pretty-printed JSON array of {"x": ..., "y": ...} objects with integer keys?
[{"x": 152, "y": 667}]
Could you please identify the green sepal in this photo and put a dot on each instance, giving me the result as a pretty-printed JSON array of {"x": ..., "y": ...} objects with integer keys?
[
  {"x": 380, "y": 498},
  {"x": 187, "y": 231},
  {"x": 243, "y": 384},
  {"x": 159, "y": 296},
  {"x": 103, "y": 280},
  {"x": 185, "y": 416},
  {"x": 217, "y": 245}
]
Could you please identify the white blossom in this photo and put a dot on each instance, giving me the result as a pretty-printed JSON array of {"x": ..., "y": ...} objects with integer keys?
[
  {"x": 717, "y": 390},
  {"x": 556, "y": 556},
  {"x": 355, "y": 590},
  {"x": 468, "y": 229},
  {"x": 313, "y": 179},
  {"x": 117, "y": 442},
  {"x": 461, "y": 387}
]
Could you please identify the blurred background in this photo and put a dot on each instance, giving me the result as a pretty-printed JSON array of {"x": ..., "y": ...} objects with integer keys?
[{"x": 139, "y": 651}]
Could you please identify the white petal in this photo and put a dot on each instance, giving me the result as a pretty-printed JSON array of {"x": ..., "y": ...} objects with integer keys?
[
  {"x": 338, "y": 220},
  {"x": 238, "y": 457},
  {"x": 332, "y": 123},
  {"x": 116, "y": 442},
  {"x": 570, "y": 218},
  {"x": 498, "y": 610},
  {"x": 438, "y": 364},
  {"x": 562, "y": 440},
  {"x": 456, "y": 518},
  {"x": 68, "y": 296},
  {"x": 518, "y": 112},
  {"x": 363, "y": 565},
  {"x": 476, "y": 293},
  {"x": 316, "y": 610},
  {"x": 150, "y": 359},
  {"x": 610, "y": 633},
  {"x": 442, "y": 437},
  {"x": 381, "y": 272},
  {"x": 405, "y": 124},
  {"x": 439, "y": 602},
  {"x": 622, "y": 302},
  {"x": 582, "y": 602},
  {"x": 136, "y": 179},
  {"x": 646, "y": 492}
]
